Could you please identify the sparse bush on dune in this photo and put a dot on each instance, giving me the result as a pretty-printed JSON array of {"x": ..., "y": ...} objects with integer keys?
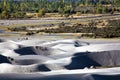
[
  {"x": 30, "y": 33},
  {"x": 110, "y": 31},
  {"x": 23, "y": 28}
]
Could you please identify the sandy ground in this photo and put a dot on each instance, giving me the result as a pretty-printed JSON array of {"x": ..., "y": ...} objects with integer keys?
[{"x": 58, "y": 57}]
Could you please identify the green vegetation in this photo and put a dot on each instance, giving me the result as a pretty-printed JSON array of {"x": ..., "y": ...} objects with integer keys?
[{"x": 12, "y": 9}]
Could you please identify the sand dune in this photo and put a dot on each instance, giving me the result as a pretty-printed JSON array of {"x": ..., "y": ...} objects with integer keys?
[
  {"x": 99, "y": 47},
  {"x": 39, "y": 59}
]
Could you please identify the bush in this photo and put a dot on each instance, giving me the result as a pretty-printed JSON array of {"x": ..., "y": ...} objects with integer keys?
[{"x": 30, "y": 33}]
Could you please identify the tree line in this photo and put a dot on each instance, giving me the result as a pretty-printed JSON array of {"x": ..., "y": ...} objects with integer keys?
[{"x": 19, "y": 8}]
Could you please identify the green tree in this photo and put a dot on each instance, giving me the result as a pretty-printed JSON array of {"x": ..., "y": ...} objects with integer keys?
[
  {"x": 4, "y": 15},
  {"x": 42, "y": 12},
  {"x": 104, "y": 9},
  {"x": 5, "y": 4},
  {"x": 86, "y": 3}
]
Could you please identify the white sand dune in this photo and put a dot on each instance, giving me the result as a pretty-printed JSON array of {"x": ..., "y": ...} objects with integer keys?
[
  {"x": 29, "y": 59},
  {"x": 10, "y": 68},
  {"x": 99, "y": 47},
  {"x": 39, "y": 59},
  {"x": 91, "y": 74}
]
